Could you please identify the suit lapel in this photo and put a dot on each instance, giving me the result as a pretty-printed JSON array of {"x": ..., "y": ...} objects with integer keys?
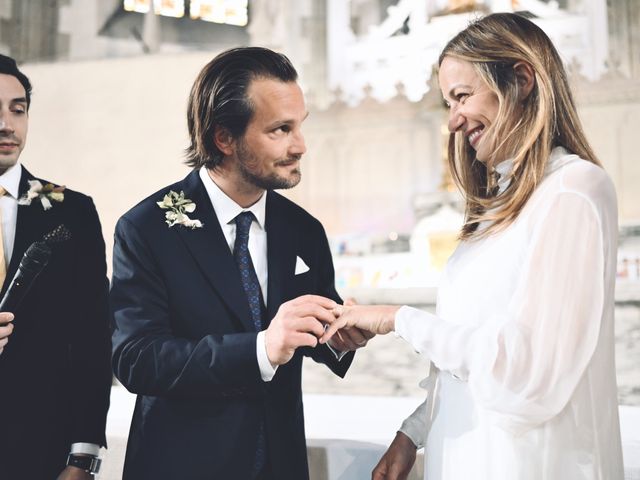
[
  {"x": 281, "y": 254},
  {"x": 211, "y": 252},
  {"x": 30, "y": 226}
]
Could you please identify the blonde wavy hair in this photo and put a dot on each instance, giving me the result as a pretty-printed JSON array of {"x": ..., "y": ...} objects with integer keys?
[{"x": 524, "y": 130}]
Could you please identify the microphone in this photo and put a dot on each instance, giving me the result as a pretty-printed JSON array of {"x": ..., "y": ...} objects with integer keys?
[{"x": 33, "y": 262}]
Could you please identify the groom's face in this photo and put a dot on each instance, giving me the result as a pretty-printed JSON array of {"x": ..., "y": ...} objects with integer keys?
[{"x": 268, "y": 154}]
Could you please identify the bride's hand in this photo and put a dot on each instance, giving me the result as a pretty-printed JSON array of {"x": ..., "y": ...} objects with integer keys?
[{"x": 378, "y": 319}]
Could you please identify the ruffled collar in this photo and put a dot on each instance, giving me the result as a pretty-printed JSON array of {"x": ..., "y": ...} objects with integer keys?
[
  {"x": 503, "y": 170},
  {"x": 558, "y": 158}
]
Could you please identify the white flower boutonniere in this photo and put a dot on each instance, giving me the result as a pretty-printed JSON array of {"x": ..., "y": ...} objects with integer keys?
[
  {"x": 177, "y": 208},
  {"x": 44, "y": 193}
]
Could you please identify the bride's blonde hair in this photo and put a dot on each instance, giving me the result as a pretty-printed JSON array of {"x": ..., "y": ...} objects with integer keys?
[{"x": 524, "y": 130}]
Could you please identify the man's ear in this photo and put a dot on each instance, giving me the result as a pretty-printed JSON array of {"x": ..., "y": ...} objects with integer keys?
[
  {"x": 526, "y": 79},
  {"x": 224, "y": 140}
]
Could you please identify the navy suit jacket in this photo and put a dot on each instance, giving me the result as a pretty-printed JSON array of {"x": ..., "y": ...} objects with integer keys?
[
  {"x": 184, "y": 341},
  {"x": 55, "y": 373}
]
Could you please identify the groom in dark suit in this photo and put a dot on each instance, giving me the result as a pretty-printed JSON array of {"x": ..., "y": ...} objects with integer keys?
[
  {"x": 221, "y": 285},
  {"x": 55, "y": 375}
]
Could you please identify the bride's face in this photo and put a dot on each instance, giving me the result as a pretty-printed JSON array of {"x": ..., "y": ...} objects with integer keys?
[{"x": 473, "y": 107}]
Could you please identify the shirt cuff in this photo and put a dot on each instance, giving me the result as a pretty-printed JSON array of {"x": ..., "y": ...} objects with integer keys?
[
  {"x": 413, "y": 435},
  {"x": 336, "y": 353},
  {"x": 400, "y": 325},
  {"x": 415, "y": 425},
  {"x": 267, "y": 371},
  {"x": 85, "y": 448}
]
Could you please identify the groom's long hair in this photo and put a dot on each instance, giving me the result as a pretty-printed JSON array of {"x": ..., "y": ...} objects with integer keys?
[{"x": 218, "y": 98}]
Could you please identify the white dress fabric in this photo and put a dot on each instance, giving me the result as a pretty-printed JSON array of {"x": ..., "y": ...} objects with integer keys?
[{"x": 522, "y": 383}]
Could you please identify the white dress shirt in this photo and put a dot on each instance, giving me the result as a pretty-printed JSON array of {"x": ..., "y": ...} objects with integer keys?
[
  {"x": 227, "y": 210},
  {"x": 522, "y": 382},
  {"x": 10, "y": 181}
]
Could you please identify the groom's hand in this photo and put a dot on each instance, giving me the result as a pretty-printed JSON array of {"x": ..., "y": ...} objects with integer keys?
[
  {"x": 397, "y": 461},
  {"x": 298, "y": 323}
]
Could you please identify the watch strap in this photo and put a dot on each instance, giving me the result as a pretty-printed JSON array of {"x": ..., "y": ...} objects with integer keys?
[{"x": 88, "y": 463}]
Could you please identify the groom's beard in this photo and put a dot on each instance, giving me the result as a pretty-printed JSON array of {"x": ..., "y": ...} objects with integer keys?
[{"x": 249, "y": 167}]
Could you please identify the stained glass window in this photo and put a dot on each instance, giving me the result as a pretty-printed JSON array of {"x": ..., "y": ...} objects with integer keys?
[
  {"x": 232, "y": 12},
  {"x": 141, "y": 6},
  {"x": 168, "y": 8}
]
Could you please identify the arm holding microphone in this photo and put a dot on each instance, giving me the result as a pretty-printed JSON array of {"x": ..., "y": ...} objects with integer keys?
[
  {"x": 33, "y": 262},
  {"x": 88, "y": 339}
]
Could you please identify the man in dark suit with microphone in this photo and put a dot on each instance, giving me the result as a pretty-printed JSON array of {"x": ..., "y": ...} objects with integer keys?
[
  {"x": 221, "y": 285},
  {"x": 54, "y": 365}
]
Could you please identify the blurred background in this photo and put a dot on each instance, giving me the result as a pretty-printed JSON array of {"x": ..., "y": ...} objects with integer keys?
[{"x": 111, "y": 80}]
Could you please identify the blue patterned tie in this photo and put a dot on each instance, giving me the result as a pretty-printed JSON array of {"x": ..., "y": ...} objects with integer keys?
[
  {"x": 251, "y": 287},
  {"x": 248, "y": 275}
]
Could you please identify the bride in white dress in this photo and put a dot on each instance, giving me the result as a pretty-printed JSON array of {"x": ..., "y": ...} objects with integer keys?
[{"x": 522, "y": 383}]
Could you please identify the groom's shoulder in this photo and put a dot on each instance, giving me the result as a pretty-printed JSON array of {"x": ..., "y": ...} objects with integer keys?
[{"x": 294, "y": 213}]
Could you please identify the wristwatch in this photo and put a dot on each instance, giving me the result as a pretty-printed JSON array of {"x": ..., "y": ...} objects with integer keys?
[{"x": 88, "y": 463}]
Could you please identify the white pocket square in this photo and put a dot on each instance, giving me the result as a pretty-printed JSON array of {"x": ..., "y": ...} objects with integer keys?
[{"x": 301, "y": 267}]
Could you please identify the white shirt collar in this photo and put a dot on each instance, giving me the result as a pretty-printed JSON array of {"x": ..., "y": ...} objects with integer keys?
[
  {"x": 10, "y": 180},
  {"x": 226, "y": 209},
  {"x": 559, "y": 157},
  {"x": 503, "y": 169}
]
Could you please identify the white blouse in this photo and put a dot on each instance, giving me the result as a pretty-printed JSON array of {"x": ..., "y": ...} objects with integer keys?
[{"x": 522, "y": 383}]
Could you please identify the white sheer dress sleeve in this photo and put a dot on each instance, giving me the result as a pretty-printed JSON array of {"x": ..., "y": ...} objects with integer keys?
[
  {"x": 415, "y": 425},
  {"x": 524, "y": 363}
]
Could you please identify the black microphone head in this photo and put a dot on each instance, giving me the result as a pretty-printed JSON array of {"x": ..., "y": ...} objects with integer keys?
[
  {"x": 58, "y": 235},
  {"x": 36, "y": 256},
  {"x": 32, "y": 263}
]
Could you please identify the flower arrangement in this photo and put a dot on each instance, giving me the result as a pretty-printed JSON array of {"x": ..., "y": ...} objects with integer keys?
[
  {"x": 44, "y": 193},
  {"x": 178, "y": 207}
]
